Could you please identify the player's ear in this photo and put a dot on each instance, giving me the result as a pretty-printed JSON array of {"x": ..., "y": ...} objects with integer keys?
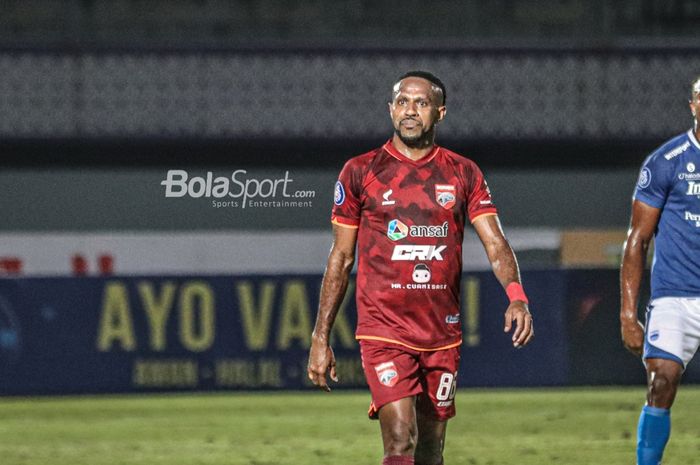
[{"x": 442, "y": 111}]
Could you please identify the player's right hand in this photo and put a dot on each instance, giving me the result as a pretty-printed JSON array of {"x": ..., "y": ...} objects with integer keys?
[
  {"x": 321, "y": 361},
  {"x": 633, "y": 336}
]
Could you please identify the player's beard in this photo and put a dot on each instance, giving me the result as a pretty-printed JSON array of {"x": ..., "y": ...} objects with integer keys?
[{"x": 420, "y": 140}]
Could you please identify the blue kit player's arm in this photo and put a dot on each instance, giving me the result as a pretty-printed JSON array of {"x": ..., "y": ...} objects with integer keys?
[
  {"x": 642, "y": 226},
  {"x": 650, "y": 195}
]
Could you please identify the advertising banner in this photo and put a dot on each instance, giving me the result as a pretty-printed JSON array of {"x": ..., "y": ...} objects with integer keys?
[{"x": 141, "y": 334}]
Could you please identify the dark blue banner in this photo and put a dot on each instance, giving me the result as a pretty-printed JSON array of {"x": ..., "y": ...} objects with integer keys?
[
  {"x": 136, "y": 334},
  {"x": 596, "y": 350}
]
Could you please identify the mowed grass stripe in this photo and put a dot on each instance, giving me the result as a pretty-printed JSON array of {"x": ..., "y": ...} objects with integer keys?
[{"x": 493, "y": 426}]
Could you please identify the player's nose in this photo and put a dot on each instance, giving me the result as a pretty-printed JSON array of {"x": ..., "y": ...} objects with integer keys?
[{"x": 411, "y": 109}]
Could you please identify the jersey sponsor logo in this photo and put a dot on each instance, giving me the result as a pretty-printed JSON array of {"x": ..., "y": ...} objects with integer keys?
[
  {"x": 387, "y": 374},
  {"x": 418, "y": 252},
  {"x": 452, "y": 319},
  {"x": 445, "y": 195},
  {"x": 339, "y": 194},
  {"x": 396, "y": 230},
  {"x": 421, "y": 273},
  {"x": 689, "y": 176},
  {"x": 677, "y": 151},
  {"x": 419, "y": 286},
  {"x": 429, "y": 230},
  {"x": 386, "y": 196},
  {"x": 690, "y": 167},
  {"x": 424, "y": 287},
  {"x": 644, "y": 178},
  {"x": 693, "y": 217},
  {"x": 693, "y": 188}
]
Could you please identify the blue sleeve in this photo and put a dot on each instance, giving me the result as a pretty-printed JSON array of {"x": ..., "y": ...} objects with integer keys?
[{"x": 655, "y": 181}]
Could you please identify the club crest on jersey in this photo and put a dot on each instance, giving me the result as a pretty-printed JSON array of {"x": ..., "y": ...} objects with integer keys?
[
  {"x": 387, "y": 374},
  {"x": 445, "y": 195}
]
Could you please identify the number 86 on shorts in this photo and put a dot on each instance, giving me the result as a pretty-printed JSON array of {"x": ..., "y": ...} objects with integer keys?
[{"x": 446, "y": 390}]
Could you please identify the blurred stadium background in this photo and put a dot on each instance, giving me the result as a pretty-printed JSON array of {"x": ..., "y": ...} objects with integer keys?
[{"x": 124, "y": 270}]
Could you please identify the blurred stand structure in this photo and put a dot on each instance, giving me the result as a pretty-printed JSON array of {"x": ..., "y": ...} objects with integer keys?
[
  {"x": 194, "y": 23},
  {"x": 215, "y": 73}
]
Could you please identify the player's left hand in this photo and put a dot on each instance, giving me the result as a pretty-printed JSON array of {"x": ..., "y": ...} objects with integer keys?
[{"x": 524, "y": 330}]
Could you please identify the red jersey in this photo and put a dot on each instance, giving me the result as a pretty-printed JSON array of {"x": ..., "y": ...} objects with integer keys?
[{"x": 411, "y": 217}]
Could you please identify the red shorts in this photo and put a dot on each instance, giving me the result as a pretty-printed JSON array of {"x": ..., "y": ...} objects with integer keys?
[{"x": 394, "y": 372}]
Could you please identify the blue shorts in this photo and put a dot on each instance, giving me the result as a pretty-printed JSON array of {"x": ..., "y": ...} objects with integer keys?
[{"x": 672, "y": 329}]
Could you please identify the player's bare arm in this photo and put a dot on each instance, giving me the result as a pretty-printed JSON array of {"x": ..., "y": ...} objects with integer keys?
[
  {"x": 505, "y": 267},
  {"x": 642, "y": 226},
  {"x": 333, "y": 287}
]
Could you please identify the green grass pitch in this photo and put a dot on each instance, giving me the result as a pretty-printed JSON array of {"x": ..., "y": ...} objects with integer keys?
[{"x": 496, "y": 426}]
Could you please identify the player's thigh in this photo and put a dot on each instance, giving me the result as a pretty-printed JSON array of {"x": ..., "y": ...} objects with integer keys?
[{"x": 439, "y": 381}]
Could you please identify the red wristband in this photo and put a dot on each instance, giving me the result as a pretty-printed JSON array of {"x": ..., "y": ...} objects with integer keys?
[{"x": 515, "y": 292}]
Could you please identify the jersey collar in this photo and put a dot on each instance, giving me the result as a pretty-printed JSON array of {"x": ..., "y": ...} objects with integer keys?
[
  {"x": 693, "y": 140},
  {"x": 391, "y": 150}
]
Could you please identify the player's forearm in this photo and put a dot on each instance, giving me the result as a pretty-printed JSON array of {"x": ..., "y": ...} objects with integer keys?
[
  {"x": 333, "y": 288},
  {"x": 503, "y": 262},
  {"x": 631, "y": 272}
]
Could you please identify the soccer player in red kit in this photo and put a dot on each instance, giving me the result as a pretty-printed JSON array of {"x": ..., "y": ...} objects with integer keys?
[{"x": 404, "y": 206}]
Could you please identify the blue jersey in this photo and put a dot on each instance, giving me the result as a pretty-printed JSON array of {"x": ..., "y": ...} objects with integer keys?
[{"x": 670, "y": 180}]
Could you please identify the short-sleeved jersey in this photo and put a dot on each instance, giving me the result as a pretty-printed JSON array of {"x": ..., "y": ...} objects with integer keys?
[
  {"x": 670, "y": 180},
  {"x": 411, "y": 217}
]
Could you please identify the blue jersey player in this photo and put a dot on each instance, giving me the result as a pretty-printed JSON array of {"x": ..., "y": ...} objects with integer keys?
[{"x": 666, "y": 206}]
